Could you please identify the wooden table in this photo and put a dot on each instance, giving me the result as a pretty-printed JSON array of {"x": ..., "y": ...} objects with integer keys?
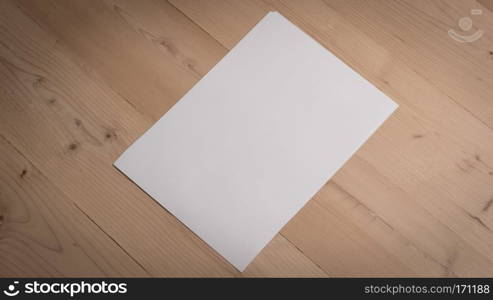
[{"x": 80, "y": 80}]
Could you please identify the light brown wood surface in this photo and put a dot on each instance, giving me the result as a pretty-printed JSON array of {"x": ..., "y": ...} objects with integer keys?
[{"x": 80, "y": 80}]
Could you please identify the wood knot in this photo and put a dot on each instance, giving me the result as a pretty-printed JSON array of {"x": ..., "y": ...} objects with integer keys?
[
  {"x": 110, "y": 134},
  {"x": 38, "y": 81}
]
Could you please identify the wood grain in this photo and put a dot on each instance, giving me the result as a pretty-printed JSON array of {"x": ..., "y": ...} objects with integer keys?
[
  {"x": 81, "y": 80},
  {"x": 43, "y": 233},
  {"x": 419, "y": 153},
  {"x": 101, "y": 36},
  {"x": 72, "y": 129},
  {"x": 74, "y": 126},
  {"x": 486, "y": 4},
  {"x": 404, "y": 28}
]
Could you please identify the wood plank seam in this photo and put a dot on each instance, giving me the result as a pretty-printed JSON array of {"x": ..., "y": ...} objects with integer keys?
[
  {"x": 110, "y": 237},
  {"x": 35, "y": 169}
]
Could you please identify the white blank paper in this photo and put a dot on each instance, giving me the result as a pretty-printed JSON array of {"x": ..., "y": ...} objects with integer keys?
[{"x": 241, "y": 153}]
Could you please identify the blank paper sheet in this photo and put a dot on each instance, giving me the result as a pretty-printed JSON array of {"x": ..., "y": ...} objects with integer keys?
[{"x": 241, "y": 153}]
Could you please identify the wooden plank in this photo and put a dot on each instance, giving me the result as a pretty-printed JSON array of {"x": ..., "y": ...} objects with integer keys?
[
  {"x": 417, "y": 31},
  {"x": 43, "y": 233},
  {"x": 432, "y": 143},
  {"x": 280, "y": 258},
  {"x": 172, "y": 33},
  {"x": 161, "y": 22},
  {"x": 488, "y": 4},
  {"x": 441, "y": 249},
  {"x": 72, "y": 128},
  {"x": 74, "y": 133},
  {"x": 425, "y": 157},
  {"x": 240, "y": 16},
  {"x": 152, "y": 79}
]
